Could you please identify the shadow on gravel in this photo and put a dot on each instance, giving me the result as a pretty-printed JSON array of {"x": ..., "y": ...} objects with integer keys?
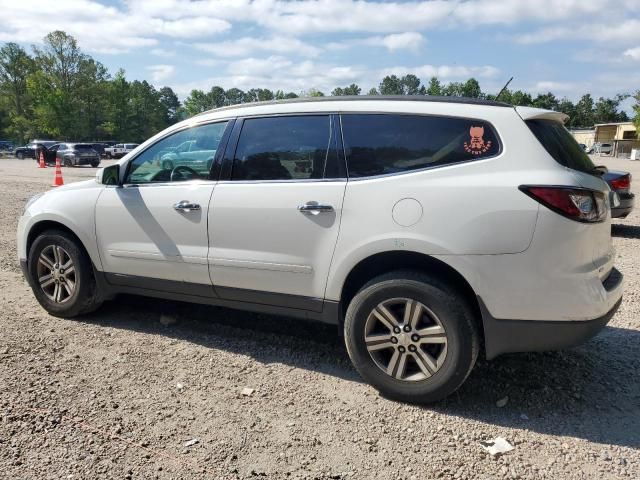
[
  {"x": 625, "y": 231},
  {"x": 590, "y": 392}
]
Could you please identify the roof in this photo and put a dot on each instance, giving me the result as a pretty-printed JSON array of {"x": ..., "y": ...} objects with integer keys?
[
  {"x": 400, "y": 98},
  {"x": 612, "y": 124}
]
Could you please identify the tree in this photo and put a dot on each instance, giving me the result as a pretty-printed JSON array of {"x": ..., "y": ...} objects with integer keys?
[
  {"x": 391, "y": 85},
  {"x": 352, "y": 89},
  {"x": 607, "y": 110},
  {"x": 584, "y": 112},
  {"x": 15, "y": 68},
  {"x": 170, "y": 105},
  {"x": 434, "y": 87},
  {"x": 234, "y": 96},
  {"x": 567, "y": 107},
  {"x": 471, "y": 89},
  {"x": 410, "y": 84},
  {"x": 547, "y": 101},
  {"x": 373, "y": 91}
]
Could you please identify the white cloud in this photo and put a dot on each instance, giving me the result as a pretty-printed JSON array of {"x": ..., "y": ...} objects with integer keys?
[
  {"x": 444, "y": 72},
  {"x": 622, "y": 32},
  {"x": 161, "y": 52},
  {"x": 159, "y": 73},
  {"x": 393, "y": 42},
  {"x": 633, "y": 53},
  {"x": 250, "y": 45},
  {"x": 279, "y": 73}
]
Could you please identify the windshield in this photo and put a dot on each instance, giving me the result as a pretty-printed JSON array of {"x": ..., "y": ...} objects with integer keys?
[
  {"x": 561, "y": 145},
  {"x": 82, "y": 146}
]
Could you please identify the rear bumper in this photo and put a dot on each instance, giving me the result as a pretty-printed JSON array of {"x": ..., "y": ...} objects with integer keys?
[
  {"x": 626, "y": 206},
  {"x": 509, "y": 336}
]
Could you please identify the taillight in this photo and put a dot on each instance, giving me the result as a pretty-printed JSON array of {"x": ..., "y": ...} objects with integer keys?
[
  {"x": 621, "y": 183},
  {"x": 579, "y": 204}
]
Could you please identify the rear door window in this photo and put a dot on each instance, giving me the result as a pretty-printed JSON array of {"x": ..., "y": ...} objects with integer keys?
[
  {"x": 386, "y": 144},
  {"x": 561, "y": 145},
  {"x": 285, "y": 148}
]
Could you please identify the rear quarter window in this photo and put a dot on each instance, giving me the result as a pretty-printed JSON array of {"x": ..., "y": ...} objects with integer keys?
[{"x": 379, "y": 144}]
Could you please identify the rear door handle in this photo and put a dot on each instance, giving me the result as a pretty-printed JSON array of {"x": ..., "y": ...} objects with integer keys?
[
  {"x": 315, "y": 207},
  {"x": 186, "y": 206}
]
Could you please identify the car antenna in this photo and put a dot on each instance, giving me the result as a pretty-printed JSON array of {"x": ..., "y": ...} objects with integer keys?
[{"x": 503, "y": 88}]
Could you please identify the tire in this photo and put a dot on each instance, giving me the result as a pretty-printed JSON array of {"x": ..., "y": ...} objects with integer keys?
[
  {"x": 95, "y": 164},
  {"x": 19, "y": 155},
  {"x": 108, "y": 155},
  {"x": 80, "y": 296},
  {"x": 451, "y": 345}
]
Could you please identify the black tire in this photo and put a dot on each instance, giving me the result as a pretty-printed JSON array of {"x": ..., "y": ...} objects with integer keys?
[
  {"x": 95, "y": 164},
  {"x": 84, "y": 298},
  {"x": 19, "y": 155},
  {"x": 452, "y": 311},
  {"x": 108, "y": 155}
]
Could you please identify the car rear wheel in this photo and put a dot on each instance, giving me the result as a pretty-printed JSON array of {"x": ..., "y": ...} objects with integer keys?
[
  {"x": 95, "y": 164},
  {"x": 411, "y": 336},
  {"x": 61, "y": 275},
  {"x": 19, "y": 155}
]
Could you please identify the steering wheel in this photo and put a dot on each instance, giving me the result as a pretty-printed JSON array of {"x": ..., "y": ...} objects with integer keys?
[{"x": 180, "y": 170}]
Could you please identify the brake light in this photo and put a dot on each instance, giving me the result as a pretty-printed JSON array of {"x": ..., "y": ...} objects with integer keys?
[
  {"x": 621, "y": 183},
  {"x": 579, "y": 204}
]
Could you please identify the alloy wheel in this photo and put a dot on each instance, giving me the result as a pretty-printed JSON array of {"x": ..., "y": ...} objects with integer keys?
[
  {"x": 405, "y": 339},
  {"x": 56, "y": 274}
]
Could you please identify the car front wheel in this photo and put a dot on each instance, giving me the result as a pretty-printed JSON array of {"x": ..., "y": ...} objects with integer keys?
[
  {"x": 411, "y": 336},
  {"x": 61, "y": 275}
]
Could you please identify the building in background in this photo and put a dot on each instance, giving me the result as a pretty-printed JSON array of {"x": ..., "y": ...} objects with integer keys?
[
  {"x": 622, "y": 135},
  {"x": 585, "y": 136}
]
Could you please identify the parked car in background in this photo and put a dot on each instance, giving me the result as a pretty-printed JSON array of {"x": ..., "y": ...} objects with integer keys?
[
  {"x": 605, "y": 148},
  {"x": 349, "y": 212},
  {"x": 620, "y": 182},
  {"x": 73, "y": 154},
  {"x": 6, "y": 146},
  {"x": 119, "y": 150},
  {"x": 30, "y": 150},
  {"x": 195, "y": 154}
]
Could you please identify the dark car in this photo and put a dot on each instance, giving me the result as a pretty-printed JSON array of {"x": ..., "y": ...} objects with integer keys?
[
  {"x": 73, "y": 154},
  {"x": 620, "y": 182},
  {"x": 32, "y": 148}
]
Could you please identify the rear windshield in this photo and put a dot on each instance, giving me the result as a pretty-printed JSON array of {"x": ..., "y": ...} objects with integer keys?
[
  {"x": 561, "y": 145},
  {"x": 83, "y": 146}
]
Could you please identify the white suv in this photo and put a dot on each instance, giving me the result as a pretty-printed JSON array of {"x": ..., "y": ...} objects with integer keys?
[{"x": 424, "y": 227}]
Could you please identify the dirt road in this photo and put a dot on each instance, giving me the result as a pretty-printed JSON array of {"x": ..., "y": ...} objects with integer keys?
[{"x": 153, "y": 389}]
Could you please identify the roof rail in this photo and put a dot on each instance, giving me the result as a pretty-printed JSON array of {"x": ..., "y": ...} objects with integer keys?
[{"x": 400, "y": 98}]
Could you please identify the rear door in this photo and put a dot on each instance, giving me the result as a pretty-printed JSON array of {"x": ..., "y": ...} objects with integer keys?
[{"x": 274, "y": 219}]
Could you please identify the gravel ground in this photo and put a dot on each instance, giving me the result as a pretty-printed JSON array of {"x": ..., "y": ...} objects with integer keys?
[{"x": 122, "y": 392}]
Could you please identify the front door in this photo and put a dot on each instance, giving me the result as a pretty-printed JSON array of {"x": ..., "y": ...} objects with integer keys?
[
  {"x": 152, "y": 232},
  {"x": 274, "y": 219}
]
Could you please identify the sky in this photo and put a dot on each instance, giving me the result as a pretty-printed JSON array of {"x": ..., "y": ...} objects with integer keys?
[{"x": 569, "y": 47}]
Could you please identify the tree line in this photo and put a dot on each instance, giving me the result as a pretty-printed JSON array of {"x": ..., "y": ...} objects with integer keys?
[{"x": 57, "y": 91}]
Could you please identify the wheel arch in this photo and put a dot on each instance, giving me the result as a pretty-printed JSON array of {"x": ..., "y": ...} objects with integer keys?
[
  {"x": 388, "y": 261},
  {"x": 43, "y": 225}
]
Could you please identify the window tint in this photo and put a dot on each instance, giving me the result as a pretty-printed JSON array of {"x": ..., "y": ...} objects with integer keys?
[
  {"x": 162, "y": 162},
  {"x": 82, "y": 146},
  {"x": 284, "y": 148},
  {"x": 382, "y": 144},
  {"x": 561, "y": 145}
]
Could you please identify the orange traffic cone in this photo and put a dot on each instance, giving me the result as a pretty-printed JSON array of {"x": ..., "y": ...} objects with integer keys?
[
  {"x": 57, "y": 180},
  {"x": 42, "y": 164}
]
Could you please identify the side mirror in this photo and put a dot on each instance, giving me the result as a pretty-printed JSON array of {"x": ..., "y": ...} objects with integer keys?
[{"x": 109, "y": 175}]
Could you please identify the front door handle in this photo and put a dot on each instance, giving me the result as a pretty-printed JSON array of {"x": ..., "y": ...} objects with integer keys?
[
  {"x": 315, "y": 207},
  {"x": 186, "y": 206}
]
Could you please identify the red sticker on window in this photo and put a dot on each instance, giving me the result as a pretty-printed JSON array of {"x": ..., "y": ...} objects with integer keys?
[{"x": 476, "y": 144}]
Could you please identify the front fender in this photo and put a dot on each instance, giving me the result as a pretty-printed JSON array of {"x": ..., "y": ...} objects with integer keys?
[{"x": 71, "y": 208}]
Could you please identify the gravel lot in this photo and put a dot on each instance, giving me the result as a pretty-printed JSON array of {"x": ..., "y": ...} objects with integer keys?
[{"x": 118, "y": 394}]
